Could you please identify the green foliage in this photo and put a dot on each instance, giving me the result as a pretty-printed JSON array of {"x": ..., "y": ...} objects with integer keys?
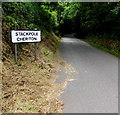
[
  {"x": 70, "y": 10},
  {"x": 32, "y": 27},
  {"x": 31, "y": 15},
  {"x": 46, "y": 52}
]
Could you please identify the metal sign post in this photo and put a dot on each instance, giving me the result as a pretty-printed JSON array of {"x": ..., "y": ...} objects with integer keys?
[
  {"x": 15, "y": 52},
  {"x": 35, "y": 51}
]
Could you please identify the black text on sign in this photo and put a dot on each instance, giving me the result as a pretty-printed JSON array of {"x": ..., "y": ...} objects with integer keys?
[{"x": 19, "y": 36}]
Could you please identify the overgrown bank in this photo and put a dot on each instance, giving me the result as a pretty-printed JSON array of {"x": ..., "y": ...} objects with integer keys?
[{"x": 28, "y": 85}]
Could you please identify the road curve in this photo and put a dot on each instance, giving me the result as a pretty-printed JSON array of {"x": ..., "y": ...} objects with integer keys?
[{"x": 93, "y": 87}]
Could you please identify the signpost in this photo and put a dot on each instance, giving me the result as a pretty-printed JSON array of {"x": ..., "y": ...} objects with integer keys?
[
  {"x": 26, "y": 36},
  {"x": 15, "y": 52}
]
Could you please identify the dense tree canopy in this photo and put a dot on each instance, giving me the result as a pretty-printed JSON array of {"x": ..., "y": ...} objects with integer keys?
[
  {"x": 92, "y": 18},
  {"x": 84, "y": 18}
]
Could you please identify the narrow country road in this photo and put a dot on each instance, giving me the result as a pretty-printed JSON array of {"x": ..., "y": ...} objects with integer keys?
[{"x": 92, "y": 75}]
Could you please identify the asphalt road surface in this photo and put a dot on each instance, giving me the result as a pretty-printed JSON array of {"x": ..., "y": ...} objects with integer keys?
[{"x": 92, "y": 77}]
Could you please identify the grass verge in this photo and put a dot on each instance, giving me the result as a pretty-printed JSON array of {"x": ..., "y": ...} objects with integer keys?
[{"x": 109, "y": 46}]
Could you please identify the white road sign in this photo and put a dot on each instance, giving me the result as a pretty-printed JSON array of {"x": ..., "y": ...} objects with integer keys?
[{"x": 19, "y": 36}]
